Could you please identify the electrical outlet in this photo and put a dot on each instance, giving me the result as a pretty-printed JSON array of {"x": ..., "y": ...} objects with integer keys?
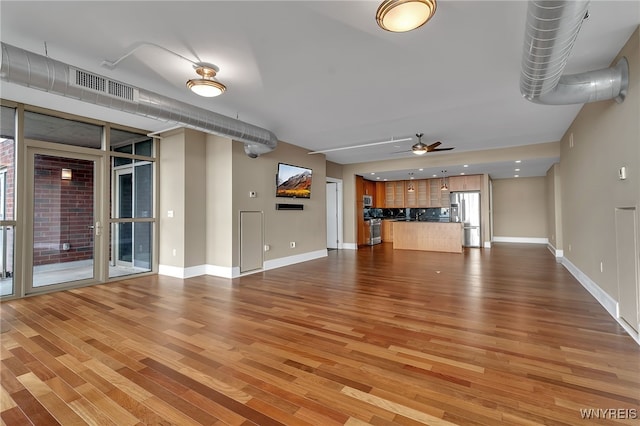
[
  {"x": 174, "y": 252},
  {"x": 267, "y": 247},
  {"x": 292, "y": 244},
  {"x": 601, "y": 267}
]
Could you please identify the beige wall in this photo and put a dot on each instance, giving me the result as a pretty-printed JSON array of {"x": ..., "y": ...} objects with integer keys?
[
  {"x": 307, "y": 227},
  {"x": 180, "y": 165},
  {"x": 334, "y": 170},
  {"x": 195, "y": 198},
  {"x": 520, "y": 207},
  {"x": 172, "y": 196},
  {"x": 205, "y": 180},
  {"x": 219, "y": 200},
  {"x": 606, "y": 136},
  {"x": 554, "y": 207}
]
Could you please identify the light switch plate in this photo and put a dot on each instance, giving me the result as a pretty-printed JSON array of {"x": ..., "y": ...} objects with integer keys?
[{"x": 622, "y": 173}]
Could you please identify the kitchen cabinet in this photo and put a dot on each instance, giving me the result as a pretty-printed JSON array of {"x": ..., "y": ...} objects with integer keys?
[
  {"x": 387, "y": 231},
  {"x": 465, "y": 183},
  {"x": 428, "y": 236},
  {"x": 417, "y": 193},
  {"x": 369, "y": 188},
  {"x": 437, "y": 197},
  {"x": 379, "y": 199},
  {"x": 394, "y": 194}
]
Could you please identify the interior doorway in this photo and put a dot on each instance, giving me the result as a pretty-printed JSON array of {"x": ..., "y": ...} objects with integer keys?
[{"x": 334, "y": 213}]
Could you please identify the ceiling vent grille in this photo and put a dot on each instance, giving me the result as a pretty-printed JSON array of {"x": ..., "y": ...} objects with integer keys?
[{"x": 103, "y": 85}]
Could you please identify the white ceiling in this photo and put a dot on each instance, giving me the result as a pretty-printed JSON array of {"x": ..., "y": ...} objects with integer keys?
[{"x": 322, "y": 74}]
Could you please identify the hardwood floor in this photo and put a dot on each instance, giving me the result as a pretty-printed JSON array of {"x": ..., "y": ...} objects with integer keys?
[{"x": 377, "y": 336}]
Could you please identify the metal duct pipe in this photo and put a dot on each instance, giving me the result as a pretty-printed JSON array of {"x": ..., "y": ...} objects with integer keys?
[
  {"x": 551, "y": 29},
  {"x": 40, "y": 72}
]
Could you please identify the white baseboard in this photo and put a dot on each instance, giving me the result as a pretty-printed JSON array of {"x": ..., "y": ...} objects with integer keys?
[
  {"x": 349, "y": 246},
  {"x": 526, "y": 240},
  {"x": 557, "y": 253},
  {"x": 297, "y": 258},
  {"x": 223, "y": 271},
  {"x": 178, "y": 272},
  {"x": 234, "y": 271},
  {"x": 607, "y": 302},
  {"x": 487, "y": 244}
]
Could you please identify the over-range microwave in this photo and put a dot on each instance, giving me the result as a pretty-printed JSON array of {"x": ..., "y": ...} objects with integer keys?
[{"x": 368, "y": 200}]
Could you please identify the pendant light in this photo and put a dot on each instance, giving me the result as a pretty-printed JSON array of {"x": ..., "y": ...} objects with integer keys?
[
  {"x": 444, "y": 186},
  {"x": 404, "y": 15},
  {"x": 206, "y": 86}
]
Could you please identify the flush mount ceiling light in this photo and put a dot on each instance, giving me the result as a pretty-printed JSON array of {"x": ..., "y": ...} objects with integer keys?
[
  {"x": 399, "y": 16},
  {"x": 206, "y": 86}
]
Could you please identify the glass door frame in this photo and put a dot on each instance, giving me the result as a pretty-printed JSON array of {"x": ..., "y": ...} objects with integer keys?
[
  {"x": 34, "y": 148},
  {"x": 117, "y": 201}
]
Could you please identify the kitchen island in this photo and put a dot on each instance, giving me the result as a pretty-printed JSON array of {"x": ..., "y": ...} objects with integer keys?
[{"x": 428, "y": 236}]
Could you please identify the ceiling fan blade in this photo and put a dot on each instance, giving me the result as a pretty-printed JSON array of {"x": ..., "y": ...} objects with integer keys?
[
  {"x": 434, "y": 145},
  {"x": 441, "y": 149}
]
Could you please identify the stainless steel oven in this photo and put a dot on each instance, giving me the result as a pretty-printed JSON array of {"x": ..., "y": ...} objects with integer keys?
[{"x": 374, "y": 231}]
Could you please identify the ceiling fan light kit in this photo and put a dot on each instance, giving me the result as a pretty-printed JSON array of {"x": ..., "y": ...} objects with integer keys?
[
  {"x": 404, "y": 15},
  {"x": 206, "y": 86}
]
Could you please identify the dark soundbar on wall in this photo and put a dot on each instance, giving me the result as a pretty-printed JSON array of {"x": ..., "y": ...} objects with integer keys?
[{"x": 280, "y": 206}]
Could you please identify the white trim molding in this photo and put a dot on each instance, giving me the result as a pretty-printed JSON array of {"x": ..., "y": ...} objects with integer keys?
[
  {"x": 296, "y": 258},
  {"x": 607, "y": 302},
  {"x": 179, "y": 272},
  {"x": 223, "y": 271},
  {"x": 557, "y": 253},
  {"x": 487, "y": 244},
  {"x": 526, "y": 240},
  {"x": 350, "y": 246}
]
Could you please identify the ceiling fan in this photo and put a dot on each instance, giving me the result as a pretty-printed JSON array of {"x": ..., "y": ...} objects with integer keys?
[{"x": 421, "y": 148}]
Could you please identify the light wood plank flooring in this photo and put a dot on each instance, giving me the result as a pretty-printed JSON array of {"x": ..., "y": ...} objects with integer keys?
[{"x": 377, "y": 336}]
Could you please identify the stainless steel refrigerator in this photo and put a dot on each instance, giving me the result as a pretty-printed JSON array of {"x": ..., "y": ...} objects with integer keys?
[{"x": 465, "y": 208}]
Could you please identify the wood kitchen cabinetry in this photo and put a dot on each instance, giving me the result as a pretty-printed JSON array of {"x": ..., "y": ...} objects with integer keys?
[
  {"x": 465, "y": 183},
  {"x": 417, "y": 193},
  {"x": 379, "y": 199},
  {"x": 387, "y": 231},
  {"x": 437, "y": 197},
  {"x": 394, "y": 194}
]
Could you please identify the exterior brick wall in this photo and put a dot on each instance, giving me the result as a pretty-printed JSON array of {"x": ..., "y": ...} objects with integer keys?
[
  {"x": 7, "y": 159},
  {"x": 63, "y": 211}
]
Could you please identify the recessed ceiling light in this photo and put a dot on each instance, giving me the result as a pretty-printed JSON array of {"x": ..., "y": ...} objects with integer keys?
[
  {"x": 386, "y": 180},
  {"x": 372, "y": 173},
  {"x": 462, "y": 173},
  {"x": 466, "y": 165},
  {"x": 516, "y": 175},
  {"x": 435, "y": 175},
  {"x": 516, "y": 170},
  {"x": 518, "y": 161},
  {"x": 420, "y": 170},
  {"x": 378, "y": 178}
]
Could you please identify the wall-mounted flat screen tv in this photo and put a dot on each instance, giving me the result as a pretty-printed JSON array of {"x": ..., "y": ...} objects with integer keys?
[{"x": 293, "y": 181}]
